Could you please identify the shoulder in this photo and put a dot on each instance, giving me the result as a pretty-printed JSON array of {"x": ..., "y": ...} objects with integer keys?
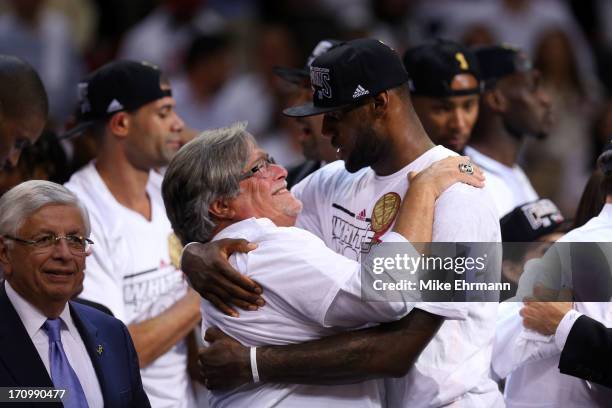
[
  {"x": 467, "y": 214},
  {"x": 105, "y": 323}
]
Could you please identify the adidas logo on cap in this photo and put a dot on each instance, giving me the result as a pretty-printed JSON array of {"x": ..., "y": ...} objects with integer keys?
[
  {"x": 114, "y": 106},
  {"x": 360, "y": 91}
]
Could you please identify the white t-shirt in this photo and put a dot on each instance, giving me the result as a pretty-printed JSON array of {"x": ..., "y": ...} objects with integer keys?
[
  {"x": 508, "y": 186},
  {"x": 130, "y": 272},
  {"x": 310, "y": 292},
  {"x": 533, "y": 359},
  {"x": 338, "y": 207}
]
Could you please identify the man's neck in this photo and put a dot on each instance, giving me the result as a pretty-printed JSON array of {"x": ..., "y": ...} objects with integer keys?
[
  {"x": 125, "y": 182},
  {"x": 493, "y": 139},
  {"x": 609, "y": 199},
  {"x": 408, "y": 144},
  {"x": 50, "y": 309}
]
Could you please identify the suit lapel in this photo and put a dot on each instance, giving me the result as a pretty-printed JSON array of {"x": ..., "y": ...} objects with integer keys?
[
  {"x": 93, "y": 343},
  {"x": 17, "y": 349}
]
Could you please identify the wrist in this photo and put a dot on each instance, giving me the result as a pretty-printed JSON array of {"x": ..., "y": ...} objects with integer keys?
[{"x": 423, "y": 190}]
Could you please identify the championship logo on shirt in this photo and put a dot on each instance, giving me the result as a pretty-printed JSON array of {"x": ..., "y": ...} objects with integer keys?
[
  {"x": 174, "y": 250},
  {"x": 384, "y": 213}
]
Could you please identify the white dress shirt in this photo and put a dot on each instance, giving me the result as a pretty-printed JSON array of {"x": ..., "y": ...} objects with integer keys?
[{"x": 73, "y": 345}]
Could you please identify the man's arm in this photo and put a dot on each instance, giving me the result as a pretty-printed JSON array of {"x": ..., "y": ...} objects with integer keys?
[
  {"x": 586, "y": 344},
  {"x": 154, "y": 337},
  {"x": 388, "y": 350},
  {"x": 588, "y": 352}
]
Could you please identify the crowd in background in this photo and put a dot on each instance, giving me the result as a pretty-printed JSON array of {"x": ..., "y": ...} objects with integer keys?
[{"x": 220, "y": 56}]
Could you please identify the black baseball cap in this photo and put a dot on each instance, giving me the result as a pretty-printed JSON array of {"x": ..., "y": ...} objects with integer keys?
[
  {"x": 433, "y": 66},
  {"x": 499, "y": 61},
  {"x": 301, "y": 76},
  {"x": 349, "y": 73},
  {"x": 119, "y": 85},
  {"x": 530, "y": 221}
]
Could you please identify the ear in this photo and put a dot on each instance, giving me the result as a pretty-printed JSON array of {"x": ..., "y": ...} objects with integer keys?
[
  {"x": 5, "y": 258},
  {"x": 119, "y": 124},
  {"x": 495, "y": 100},
  {"x": 222, "y": 209},
  {"x": 381, "y": 103}
]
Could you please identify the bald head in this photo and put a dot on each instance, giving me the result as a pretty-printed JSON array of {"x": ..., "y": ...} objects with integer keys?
[{"x": 23, "y": 108}]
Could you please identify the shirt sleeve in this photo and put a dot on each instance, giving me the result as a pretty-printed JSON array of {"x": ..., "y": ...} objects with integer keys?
[
  {"x": 514, "y": 345},
  {"x": 564, "y": 328}
]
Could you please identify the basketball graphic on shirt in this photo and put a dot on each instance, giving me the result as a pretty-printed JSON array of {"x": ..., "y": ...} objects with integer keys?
[
  {"x": 175, "y": 248},
  {"x": 384, "y": 213}
]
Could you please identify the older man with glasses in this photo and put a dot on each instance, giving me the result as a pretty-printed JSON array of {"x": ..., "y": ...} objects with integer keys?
[{"x": 46, "y": 340}]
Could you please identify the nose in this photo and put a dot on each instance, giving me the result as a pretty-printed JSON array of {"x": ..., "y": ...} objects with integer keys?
[
  {"x": 278, "y": 171},
  {"x": 458, "y": 121},
  {"x": 61, "y": 250},
  {"x": 178, "y": 125},
  {"x": 545, "y": 98},
  {"x": 13, "y": 157}
]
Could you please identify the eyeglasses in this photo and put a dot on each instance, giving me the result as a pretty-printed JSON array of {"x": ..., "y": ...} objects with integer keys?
[
  {"x": 261, "y": 167},
  {"x": 78, "y": 245}
]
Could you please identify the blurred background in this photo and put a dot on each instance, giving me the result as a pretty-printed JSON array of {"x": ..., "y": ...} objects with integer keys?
[{"x": 219, "y": 56}]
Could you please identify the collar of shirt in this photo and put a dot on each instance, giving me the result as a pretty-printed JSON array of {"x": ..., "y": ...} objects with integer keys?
[
  {"x": 240, "y": 227},
  {"x": 32, "y": 318},
  {"x": 416, "y": 165},
  {"x": 486, "y": 162}
]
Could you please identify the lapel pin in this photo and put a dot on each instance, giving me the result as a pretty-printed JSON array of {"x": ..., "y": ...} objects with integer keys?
[{"x": 100, "y": 349}]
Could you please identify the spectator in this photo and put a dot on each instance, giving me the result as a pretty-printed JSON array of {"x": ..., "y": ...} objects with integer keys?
[{"x": 23, "y": 109}]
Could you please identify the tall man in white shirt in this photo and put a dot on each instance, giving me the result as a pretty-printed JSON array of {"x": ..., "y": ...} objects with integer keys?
[
  {"x": 361, "y": 88},
  {"x": 46, "y": 340},
  {"x": 513, "y": 106},
  {"x": 130, "y": 107}
]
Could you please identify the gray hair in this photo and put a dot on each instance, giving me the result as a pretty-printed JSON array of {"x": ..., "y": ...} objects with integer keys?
[
  {"x": 204, "y": 170},
  {"x": 23, "y": 200}
]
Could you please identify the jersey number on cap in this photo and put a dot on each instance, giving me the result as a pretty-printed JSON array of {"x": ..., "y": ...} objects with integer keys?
[{"x": 462, "y": 62}]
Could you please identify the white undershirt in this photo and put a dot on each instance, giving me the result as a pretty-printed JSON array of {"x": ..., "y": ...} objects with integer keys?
[{"x": 73, "y": 345}]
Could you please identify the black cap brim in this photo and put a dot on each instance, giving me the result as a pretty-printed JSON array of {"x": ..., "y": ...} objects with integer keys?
[
  {"x": 77, "y": 130},
  {"x": 308, "y": 109},
  {"x": 294, "y": 75}
]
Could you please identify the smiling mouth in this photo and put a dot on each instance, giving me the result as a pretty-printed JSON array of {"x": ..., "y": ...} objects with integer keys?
[{"x": 281, "y": 190}]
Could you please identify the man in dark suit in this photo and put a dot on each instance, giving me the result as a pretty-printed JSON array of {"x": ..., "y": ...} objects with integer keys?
[
  {"x": 586, "y": 343},
  {"x": 46, "y": 340}
]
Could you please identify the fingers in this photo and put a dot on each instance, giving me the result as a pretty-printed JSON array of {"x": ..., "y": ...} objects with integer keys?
[
  {"x": 220, "y": 305},
  {"x": 227, "y": 291},
  {"x": 237, "y": 245},
  {"x": 236, "y": 278}
]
